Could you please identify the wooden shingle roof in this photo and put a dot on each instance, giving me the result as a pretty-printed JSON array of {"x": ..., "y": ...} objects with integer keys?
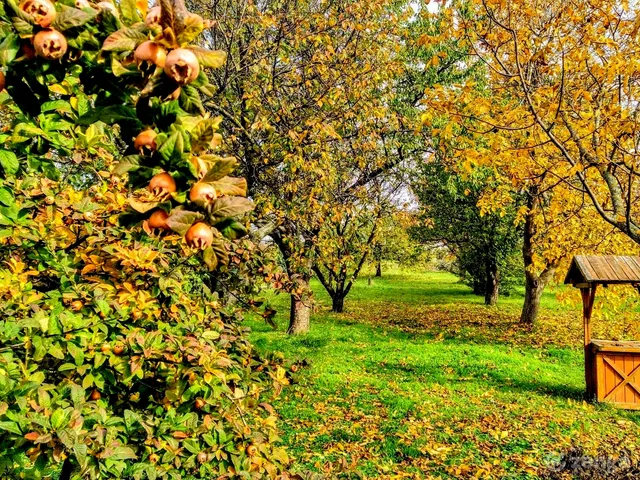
[{"x": 604, "y": 269}]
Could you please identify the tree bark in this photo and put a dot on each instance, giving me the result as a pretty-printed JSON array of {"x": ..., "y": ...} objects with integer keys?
[
  {"x": 300, "y": 309},
  {"x": 534, "y": 283},
  {"x": 534, "y": 286},
  {"x": 337, "y": 303},
  {"x": 300, "y": 313},
  {"x": 378, "y": 269},
  {"x": 493, "y": 284}
]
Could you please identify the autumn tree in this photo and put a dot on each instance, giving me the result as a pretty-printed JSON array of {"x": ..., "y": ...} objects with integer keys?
[
  {"x": 530, "y": 82},
  {"x": 569, "y": 71},
  {"x": 119, "y": 358},
  {"x": 482, "y": 242},
  {"x": 394, "y": 242},
  {"x": 303, "y": 80}
]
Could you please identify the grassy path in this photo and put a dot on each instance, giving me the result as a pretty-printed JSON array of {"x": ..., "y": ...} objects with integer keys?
[{"x": 419, "y": 380}]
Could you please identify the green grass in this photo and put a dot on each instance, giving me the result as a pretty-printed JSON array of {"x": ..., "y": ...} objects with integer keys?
[{"x": 418, "y": 379}]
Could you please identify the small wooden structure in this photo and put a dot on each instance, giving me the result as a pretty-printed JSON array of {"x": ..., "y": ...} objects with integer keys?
[{"x": 612, "y": 369}]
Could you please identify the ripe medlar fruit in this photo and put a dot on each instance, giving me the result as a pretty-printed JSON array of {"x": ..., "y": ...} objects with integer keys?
[
  {"x": 162, "y": 183},
  {"x": 41, "y": 12},
  {"x": 158, "y": 219},
  {"x": 251, "y": 450},
  {"x": 182, "y": 66},
  {"x": 145, "y": 142},
  {"x": 3, "y": 81},
  {"x": 82, "y": 4},
  {"x": 150, "y": 53},
  {"x": 50, "y": 44},
  {"x": 199, "y": 236},
  {"x": 202, "y": 193},
  {"x": 153, "y": 17}
]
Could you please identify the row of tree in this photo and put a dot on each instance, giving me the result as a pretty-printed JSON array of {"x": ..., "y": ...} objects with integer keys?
[{"x": 519, "y": 146}]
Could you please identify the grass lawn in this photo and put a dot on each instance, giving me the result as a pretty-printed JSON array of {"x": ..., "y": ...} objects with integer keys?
[{"x": 418, "y": 379}]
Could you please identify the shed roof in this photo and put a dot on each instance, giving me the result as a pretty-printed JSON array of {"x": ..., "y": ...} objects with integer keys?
[{"x": 604, "y": 269}]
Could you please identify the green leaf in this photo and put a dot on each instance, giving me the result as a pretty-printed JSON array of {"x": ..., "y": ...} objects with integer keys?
[
  {"x": 9, "y": 162},
  {"x": 230, "y": 207},
  {"x": 190, "y": 100},
  {"x": 129, "y": 11},
  {"x": 9, "y": 49},
  {"x": 22, "y": 26},
  {"x": 221, "y": 167},
  {"x": 220, "y": 251},
  {"x": 80, "y": 450},
  {"x": 58, "y": 418},
  {"x": 57, "y": 105},
  {"x": 231, "y": 229},
  {"x": 124, "y": 40},
  {"x": 10, "y": 427},
  {"x": 193, "y": 27},
  {"x": 6, "y": 196},
  {"x": 210, "y": 258},
  {"x": 203, "y": 133},
  {"x": 173, "y": 147},
  {"x": 128, "y": 163},
  {"x": 122, "y": 453},
  {"x": 181, "y": 220},
  {"x": 209, "y": 58},
  {"x": 68, "y": 17},
  {"x": 110, "y": 115},
  {"x": 76, "y": 352}
]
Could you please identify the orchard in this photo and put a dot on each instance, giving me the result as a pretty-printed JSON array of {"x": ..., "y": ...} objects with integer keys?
[
  {"x": 119, "y": 222},
  {"x": 190, "y": 197}
]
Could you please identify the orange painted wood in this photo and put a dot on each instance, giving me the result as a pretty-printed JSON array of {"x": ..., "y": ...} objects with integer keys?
[{"x": 616, "y": 377}]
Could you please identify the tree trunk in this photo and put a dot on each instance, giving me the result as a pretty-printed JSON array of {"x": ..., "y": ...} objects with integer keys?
[
  {"x": 532, "y": 295},
  {"x": 337, "y": 303},
  {"x": 534, "y": 283},
  {"x": 300, "y": 313},
  {"x": 493, "y": 285},
  {"x": 378, "y": 269}
]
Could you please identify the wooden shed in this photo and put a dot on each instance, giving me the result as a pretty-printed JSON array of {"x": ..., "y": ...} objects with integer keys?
[{"x": 612, "y": 368}]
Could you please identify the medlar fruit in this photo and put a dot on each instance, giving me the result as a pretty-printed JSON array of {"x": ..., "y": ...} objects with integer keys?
[
  {"x": 41, "y": 12},
  {"x": 162, "y": 183},
  {"x": 158, "y": 219},
  {"x": 199, "y": 236},
  {"x": 50, "y": 44},
  {"x": 202, "y": 193},
  {"x": 153, "y": 17},
  {"x": 150, "y": 53},
  {"x": 145, "y": 142},
  {"x": 182, "y": 66}
]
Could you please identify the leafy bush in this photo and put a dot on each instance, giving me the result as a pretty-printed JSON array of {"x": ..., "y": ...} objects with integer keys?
[{"x": 119, "y": 358}]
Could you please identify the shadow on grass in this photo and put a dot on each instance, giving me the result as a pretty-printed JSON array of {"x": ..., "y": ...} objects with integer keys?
[{"x": 438, "y": 372}]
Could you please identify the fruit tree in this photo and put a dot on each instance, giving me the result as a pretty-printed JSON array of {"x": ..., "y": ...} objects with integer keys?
[{"x": 119, "y": 227}]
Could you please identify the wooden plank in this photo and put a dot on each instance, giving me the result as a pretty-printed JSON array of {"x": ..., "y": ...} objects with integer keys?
[
  {"x": 585, "y": 267},
  {"x": 602, "y": 269},
  {"x": 616, "y": 347},
  {"x": 629, "y": 272},
  {"x": 634, "y": 263},
  {"x": 600, "y": 378},
  {"x": 622, "y": 380},
  {"x": 621, "y": 269}
]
